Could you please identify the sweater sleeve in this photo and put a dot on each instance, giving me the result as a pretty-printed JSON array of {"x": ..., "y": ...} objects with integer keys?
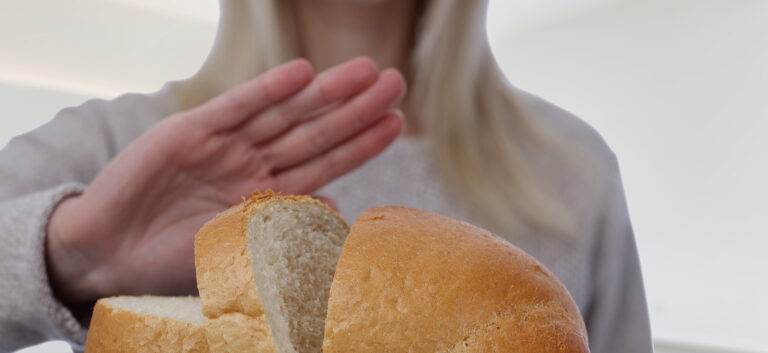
[
  {"x": 37, "y": 170},
  {"x": 29, "y": 313},
  {"x": 617, "y": 316}
]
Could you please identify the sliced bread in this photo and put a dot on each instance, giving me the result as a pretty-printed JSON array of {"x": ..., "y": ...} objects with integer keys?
[
  {"x": 407, "y": 281},
  {"x": 264, "y": 271},
  {"x": 147, "y": 324},
  {"x": 273, "y": 278}
]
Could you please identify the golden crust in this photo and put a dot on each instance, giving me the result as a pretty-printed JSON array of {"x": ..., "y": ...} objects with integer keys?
[
  {"x": 235, "y": 332},
  {"x": 452, "y": 288},
  {"x": 235, "y": 320},
  {"x": 122, "y": 331}
]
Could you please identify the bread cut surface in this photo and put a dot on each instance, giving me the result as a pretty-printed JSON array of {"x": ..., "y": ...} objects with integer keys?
[
  {"x": 147, "y": 324},
  {"x": 264, "y": 271},
  {"x": 413, "y": 281}
]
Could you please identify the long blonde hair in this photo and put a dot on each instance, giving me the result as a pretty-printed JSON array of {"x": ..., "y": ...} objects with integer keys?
[{"x": 458, "y": 97}]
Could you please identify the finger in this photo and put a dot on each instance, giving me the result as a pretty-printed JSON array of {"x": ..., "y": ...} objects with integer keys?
[
  {"x": 347, "y": 156},
  {"x": 328, "y": 201},
  {"x": 332, "y": 86},
  {"x": 319, "y": 135},
  {"x": 239, "y": 103}
]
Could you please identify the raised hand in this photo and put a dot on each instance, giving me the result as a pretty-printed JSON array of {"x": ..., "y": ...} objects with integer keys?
[{"x": 131, "y": 231}]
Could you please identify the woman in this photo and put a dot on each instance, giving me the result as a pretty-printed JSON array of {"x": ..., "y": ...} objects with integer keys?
[{"x": 104, "y": 200}]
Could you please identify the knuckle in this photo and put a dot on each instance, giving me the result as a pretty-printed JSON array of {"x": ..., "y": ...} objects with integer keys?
[
  {"x": 237, "y": 102},
  {"x": 277, "y": 183},
  {"x": 267, "y": 87},
  {"x": 319, "y": 139},
  {"x": 358, "y": 117},
  {"x": 265, "y": 158},
  {"x": 326, "y": 91},
  {"x": 284, "y": 115},
  {"x": 332, "y": 165}
]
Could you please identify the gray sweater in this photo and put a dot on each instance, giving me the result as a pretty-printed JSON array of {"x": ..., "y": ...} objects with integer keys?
[{"x": 600, "y": 267}]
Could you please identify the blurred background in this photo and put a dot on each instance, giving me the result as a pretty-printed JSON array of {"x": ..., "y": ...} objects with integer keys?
[{"x": 678, "y": 88}]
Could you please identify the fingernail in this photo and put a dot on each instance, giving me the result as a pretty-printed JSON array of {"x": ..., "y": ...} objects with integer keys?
[{"x": 400, "y": 113}]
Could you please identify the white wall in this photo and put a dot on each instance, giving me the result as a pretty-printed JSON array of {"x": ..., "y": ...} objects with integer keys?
[
  {"x": 98, "y": 47},
  {"x": 55, "y": 54},
  {"x": 680, "y": 91},
  {"x": 677, "y": 87}
]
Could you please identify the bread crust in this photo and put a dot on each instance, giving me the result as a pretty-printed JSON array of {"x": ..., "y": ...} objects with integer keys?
[
  {"x": 413, "y": 281},
  {"x": 235, "y": 320},
  {"x": 117, "y": 330}
]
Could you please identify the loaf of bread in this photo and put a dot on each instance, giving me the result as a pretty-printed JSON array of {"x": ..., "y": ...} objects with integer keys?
[
  {"x": 264, "y": 271},
  {"x": 285, "y": 274},
  {"x": 147, "y": 324},
  {"x": 414, "y": 281}
]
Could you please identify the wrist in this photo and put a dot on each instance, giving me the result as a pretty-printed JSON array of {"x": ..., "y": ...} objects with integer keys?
[{"x": 69, "y": 265}]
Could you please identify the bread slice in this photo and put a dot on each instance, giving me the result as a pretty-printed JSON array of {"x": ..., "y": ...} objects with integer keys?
[
  {"x": 147, "y": 324},
  {"x": 264, "y": 271},
  {"x": 413, "y": 281}
]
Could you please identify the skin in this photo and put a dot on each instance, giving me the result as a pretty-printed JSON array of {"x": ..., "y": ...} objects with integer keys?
[
  {"x": 331, "y": 31},
  {"x": 131, "y": 231}
]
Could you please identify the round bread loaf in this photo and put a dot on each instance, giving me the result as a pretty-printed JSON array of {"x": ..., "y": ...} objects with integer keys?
[
  {"x": 146, "y": 325},
  {"x": 413, "y": 281}
]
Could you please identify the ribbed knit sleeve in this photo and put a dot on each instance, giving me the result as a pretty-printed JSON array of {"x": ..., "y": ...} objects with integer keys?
[
  {"x": 37, "y": 170},
  {"x": 29, "y": 313},
  {"x": 617, "y": 315}
]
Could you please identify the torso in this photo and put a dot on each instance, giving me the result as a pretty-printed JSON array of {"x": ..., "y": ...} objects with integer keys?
[{"x": 405, "y": 175}]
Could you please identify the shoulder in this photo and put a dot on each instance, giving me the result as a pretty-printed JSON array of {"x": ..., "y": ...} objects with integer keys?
[
  {"x": 123, "y": 118},
  {"x": 571, "y": 132},
  {"x": 144, "y": 107},
  {"x": 76, "y": 144},
  {"x": 574, "y": 160}
]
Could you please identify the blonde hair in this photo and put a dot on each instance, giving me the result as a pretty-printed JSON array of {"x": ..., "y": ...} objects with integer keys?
[{"x": 458, "y": 97}]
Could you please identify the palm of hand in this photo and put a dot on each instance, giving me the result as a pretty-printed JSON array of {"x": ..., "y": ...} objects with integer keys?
[
  {"x": 193, "y": 180},
  {"x": 135, "y": 222}
]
